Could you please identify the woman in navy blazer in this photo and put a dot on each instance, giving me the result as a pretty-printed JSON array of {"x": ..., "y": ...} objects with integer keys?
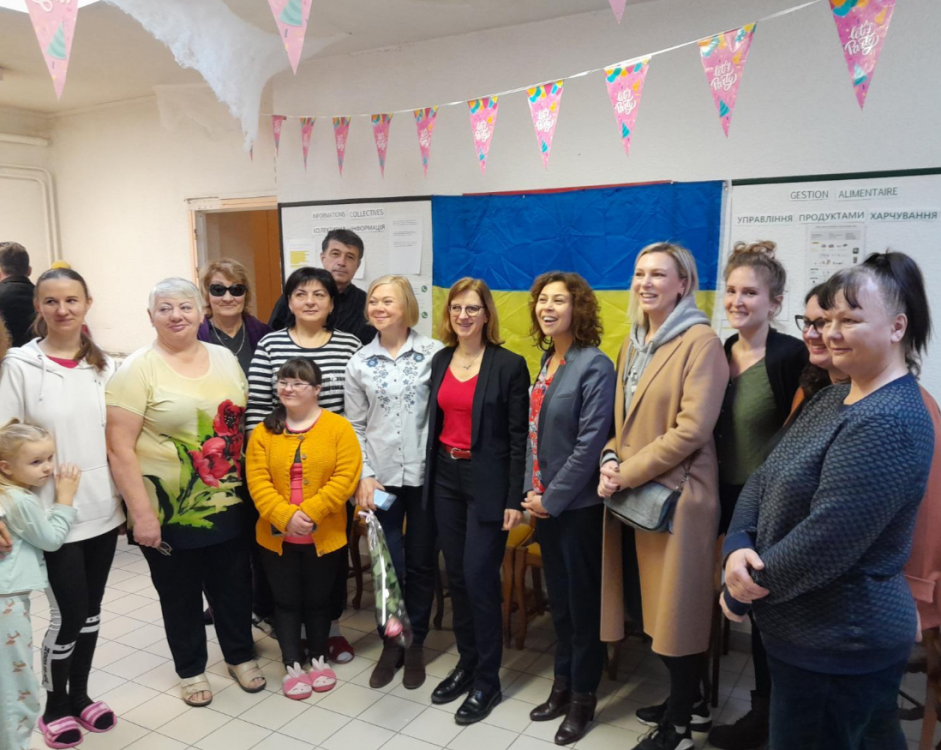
[
  {"x": 475, "y": 464},
  {"x": 571, "y": 407}
]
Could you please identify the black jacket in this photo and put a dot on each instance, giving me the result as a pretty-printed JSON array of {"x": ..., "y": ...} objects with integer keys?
[
  {"x": 16, "y": 307},
  {"x": 349, "y": 314},
  {"x": 499, "y": 429}
]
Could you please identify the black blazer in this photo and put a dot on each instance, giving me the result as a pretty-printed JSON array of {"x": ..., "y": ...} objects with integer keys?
[{"x": 499, "y": 429}]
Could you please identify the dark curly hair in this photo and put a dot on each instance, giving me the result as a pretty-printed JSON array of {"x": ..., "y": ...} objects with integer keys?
[{"x": 587, "y": 328}]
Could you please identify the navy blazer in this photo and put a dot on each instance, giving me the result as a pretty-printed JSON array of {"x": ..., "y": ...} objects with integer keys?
[
  {"x": 574, "y": 425},
  {"x": 498, "y": 430}
]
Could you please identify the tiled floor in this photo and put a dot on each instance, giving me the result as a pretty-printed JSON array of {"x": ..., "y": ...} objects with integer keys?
[{"x": 134, "y": 674}]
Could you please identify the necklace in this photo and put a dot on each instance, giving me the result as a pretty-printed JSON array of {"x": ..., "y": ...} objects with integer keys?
[
  {"x": 471, "y": 363},
  {"x": 221, "y": 342}
]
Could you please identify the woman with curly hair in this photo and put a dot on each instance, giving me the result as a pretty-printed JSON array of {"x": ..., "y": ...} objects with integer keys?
[{"x": 570, "y": 413}]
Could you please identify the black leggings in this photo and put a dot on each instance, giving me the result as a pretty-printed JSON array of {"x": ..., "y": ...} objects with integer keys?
[
  {"x": 78, "y": 572},
  {"x": 685, "y": 679},
  {"x": 302, "y": 583}
]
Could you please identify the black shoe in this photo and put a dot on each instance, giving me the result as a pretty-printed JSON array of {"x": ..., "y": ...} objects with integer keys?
[
  {"x": 653, "y": 716},
  {"x": 580, "y": 715},
  {"x": 665, "y": 737},
  {"x": 751, "y": 731},
  {"x": 453, "y": 686},
  {"x": 477, "y": 706},
  {"x": 556, "y": 704},
  {"x": 391, "y": 659}
]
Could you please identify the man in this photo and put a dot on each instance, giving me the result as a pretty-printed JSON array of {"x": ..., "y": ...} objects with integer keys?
[
  {"x": 341, "y": 255},
  {"x": 16, "y": 292}
]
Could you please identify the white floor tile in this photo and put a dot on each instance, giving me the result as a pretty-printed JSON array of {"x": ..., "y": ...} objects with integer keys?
[
  {"x": 195, "y": 724},
  {"x": 531, "y": 743},
  {"x": 138, "y": 663},
  {"x": 127, "y": 696},
  {"x": 315, "y": 725},
  {"x": 358, "y": 734},
  {"x": 276, "y": 741},
  {"x": 101, "y": 682},
  {"x": 158, "y": 711},
  {"x": 401, "y": 742},
  {"x": 274, "y": 711},
  {"x": 127, "y": 604},
  {"x": 434, "y": 726},
  {"x": 349, "y": 700},
  {"x": 162, "y": 678},
  {"x": 391, "y": 712},
  {"x": 142, "y": 637},
  {"x": 529, "y": 688},
  {"x": 154, "y": 741},
  {"x": 118, "y": 738},
  {"x": 481, "y": 735},
  {"x": 233, "y": 701},
  {"x": 236, "y": 735},
  {"x": 108, "y": 652},
  {"x": 511, "y": 714},
  {"x": 607, "y": 737}
]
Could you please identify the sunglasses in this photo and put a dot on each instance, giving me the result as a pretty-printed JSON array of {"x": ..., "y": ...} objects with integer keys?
[{"x": 219, "y": 290}]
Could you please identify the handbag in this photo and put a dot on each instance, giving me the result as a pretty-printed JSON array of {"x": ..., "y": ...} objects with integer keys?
[{"x": 649, "y": 507}]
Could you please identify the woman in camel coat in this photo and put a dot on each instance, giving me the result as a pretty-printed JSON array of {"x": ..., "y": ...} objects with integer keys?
[{"x": 672, "y": 373}]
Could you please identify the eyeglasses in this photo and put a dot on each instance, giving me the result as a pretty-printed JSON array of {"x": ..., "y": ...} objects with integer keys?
[
  {"x": 286, "y": 385},
  {"x": 472, "y": 310},
  {"x": 805, "y": 323},
  {"x": 219, "y": 290},
  {"x": 164, "y": 549}
]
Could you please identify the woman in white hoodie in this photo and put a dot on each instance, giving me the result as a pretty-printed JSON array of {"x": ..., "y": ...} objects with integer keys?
[{"x": 57, "y": 381}]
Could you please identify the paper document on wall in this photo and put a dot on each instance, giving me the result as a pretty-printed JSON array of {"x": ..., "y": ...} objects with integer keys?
[
  {"x": 406, "y": 246},
  {"x": 832, "y": 247},
  {"x": 301, "y": 252}
]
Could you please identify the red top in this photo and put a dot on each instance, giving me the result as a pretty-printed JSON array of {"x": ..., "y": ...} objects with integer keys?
[
  {"x": 70, "y": 363},
  {"x": 297, "y": 489},
  {"x": 536, "y": 397},
  {"x": 456, "y": 400}
]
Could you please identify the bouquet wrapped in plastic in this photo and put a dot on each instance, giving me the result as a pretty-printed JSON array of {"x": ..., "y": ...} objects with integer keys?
[{"x": 391, "y": 616}]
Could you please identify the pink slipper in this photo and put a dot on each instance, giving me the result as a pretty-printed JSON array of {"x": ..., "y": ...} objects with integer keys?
[
  {"x": 320, "y": 677},
  {"x": 52, "y": 732},
  {"x": 295, "y": 684},
  {"x": 92, "y": 713}
]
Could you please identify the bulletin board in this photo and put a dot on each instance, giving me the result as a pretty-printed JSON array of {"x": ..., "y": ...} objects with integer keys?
[
  {"x": 396, "y": 232},
  {"x": 823, "y": 223}
]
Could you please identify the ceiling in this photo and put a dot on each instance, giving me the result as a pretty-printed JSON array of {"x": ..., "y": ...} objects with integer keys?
[{"x": 113, "y": 58}]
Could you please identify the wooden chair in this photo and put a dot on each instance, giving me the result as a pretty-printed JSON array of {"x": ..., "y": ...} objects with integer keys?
[
  {"x": 528, "y": 557},
  {"x": 517, "y": 537}
]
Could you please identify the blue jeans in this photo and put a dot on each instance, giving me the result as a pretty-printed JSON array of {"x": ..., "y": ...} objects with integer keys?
[{"x": 814, "y": 711}]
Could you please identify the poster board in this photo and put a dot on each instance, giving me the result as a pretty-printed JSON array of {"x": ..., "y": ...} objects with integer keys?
[
  {"x": 824, "y": 223},
  {"x": 396, "y": 232}
]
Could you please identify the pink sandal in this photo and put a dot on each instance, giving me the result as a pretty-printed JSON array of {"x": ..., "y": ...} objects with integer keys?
[
  {"x": 321, "y": 678},
  {"x": 93, "y": 713},
  {"x": 295, "y": 684},
  {"x": 52, "y": 732}
]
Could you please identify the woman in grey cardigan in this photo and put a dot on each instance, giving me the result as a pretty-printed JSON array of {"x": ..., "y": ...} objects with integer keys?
[{"x": 571, "y": 406}]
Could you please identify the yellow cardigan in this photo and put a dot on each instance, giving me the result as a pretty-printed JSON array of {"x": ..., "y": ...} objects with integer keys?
[{"x": 332, "y": 462}]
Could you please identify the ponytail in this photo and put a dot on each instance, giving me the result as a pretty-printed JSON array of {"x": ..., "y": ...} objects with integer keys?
[{"x": 88, "y": 350}]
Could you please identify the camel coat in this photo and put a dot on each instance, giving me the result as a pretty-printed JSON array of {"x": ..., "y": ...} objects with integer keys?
[{"x": 671, "y": 418}]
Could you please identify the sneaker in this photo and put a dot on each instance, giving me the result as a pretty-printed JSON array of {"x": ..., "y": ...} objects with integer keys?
[
  {"x": 653, "y": 716},
  {"x": 750, "y": 731},
  {"x": 666, "y": 737}
]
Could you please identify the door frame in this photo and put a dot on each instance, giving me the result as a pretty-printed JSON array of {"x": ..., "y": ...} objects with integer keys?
[{"x": 199, "y": 207}]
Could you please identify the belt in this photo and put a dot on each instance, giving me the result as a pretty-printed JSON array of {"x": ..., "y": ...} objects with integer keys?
[{"x": 458, "y": 454}]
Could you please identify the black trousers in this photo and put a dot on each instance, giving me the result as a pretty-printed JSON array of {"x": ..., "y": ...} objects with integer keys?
[
  {"x": 685, "y": 680},
  {"x": 302, "y": 584},
  {"x": 223, "y": 570},
  {"x": 571, "y": 558},
  {"x": 340, "y": 591},
  {"x": 473, "y": 553},
  {"x": 413, "y": 553}
]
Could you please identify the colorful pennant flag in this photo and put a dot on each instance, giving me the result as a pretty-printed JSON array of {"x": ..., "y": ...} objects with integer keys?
[
  {"x": 483, "y": 117},
  {"x": 341, "y": 131},
  {"x": 618, "y": 7},
  {"x": 380, "y": 133},
  {"x": 54, "y": 24},
  {"x": 307, "y": 128},
  {"x": 291, "y": 17},
  {"x": 723, "y": 58},
  {"x": 625, "y": 82},
  {"x": 277, "y": 122},
  {"x": 862, "y": 26},
  {"x": 544, "y": 102},
  {"x": 425, "y": 122}
]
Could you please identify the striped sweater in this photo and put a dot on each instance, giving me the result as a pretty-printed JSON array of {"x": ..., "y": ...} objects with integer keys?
[{"x": 277, "y": 348}]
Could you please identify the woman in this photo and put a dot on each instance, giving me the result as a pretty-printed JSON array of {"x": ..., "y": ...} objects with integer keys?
[
  {"x": 672, "y": 374},
  {"x": 175, "y": 439},
  {"x": 822, "y": 531},
  {"x": 311, "y": 293},
  {"x": 765, "y": 368},
  {"x": 57, "y": 382},
  {"x": 475, "y": 461},
  {"x": 570, "y": 411},
  {"x": 386, "y": 398},
  {"x": 303, "y": 464}
]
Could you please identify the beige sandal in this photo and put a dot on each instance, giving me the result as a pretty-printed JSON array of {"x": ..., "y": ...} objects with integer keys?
[
  {"x": 190, "y": 687},
  {"x": 245, "y": 674}
]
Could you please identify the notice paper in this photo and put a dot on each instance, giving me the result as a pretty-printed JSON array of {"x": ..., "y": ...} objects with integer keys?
[
  {"x": 831, "y": 247},
  {"x": 302, "y": 252},
  {"x": 405, "y": 246}
]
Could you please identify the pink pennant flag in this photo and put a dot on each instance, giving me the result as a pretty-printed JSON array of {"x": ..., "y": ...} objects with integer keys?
[
  {"x": 341, "y": 131},
  {"x": 54, "y": 23},
  {"x": 625, "y": 83},
  {"x": 618, "y": 7},
  {"x": 307, "y": 127},
  {"x": 862, "y": 26},
  {"x": 723, "y": 58},
  {"x": 483, "y": 117},
  {"x": 544, "y": 102},
  {"x": 291, "y": 17},
  {"x": 277, "y": 121},
  {"x": 425, "y": 122},
  {"x": 380, "y": 132}
]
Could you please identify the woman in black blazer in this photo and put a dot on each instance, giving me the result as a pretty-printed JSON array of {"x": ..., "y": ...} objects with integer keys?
[{"x": 475, "y": 463}]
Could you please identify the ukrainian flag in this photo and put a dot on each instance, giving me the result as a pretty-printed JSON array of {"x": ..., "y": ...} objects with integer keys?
[{"x": 508, "y": 240}]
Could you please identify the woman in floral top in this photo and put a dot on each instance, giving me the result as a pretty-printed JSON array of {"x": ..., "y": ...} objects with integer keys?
[
  {"x": 175, "y": 411},
  {"x": 386, "y": 394}
]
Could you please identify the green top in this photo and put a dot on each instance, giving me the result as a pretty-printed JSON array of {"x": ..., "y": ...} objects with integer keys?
[{"x": 746, "y": 426}]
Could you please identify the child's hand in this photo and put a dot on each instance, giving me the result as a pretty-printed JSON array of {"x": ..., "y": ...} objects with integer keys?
[
  {"x": 67, "y": 480},
  {"x": 299, "y": 525}
]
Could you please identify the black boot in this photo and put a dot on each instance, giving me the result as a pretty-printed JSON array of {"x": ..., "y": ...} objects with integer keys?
[
  {"x": 751, "y": 731},
  {"x": 556, "y": 704},
  {"x": 390, "y": 660},
  {"x": 580, "y": 714}
]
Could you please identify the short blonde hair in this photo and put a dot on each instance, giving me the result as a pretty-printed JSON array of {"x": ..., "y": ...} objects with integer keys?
[
  {"x": 173, "y": 288},
  {"x": 685, "y": 267},
  {"x": 404, "y": 292},
  {"x": 234, "y": 272},
  {"x": 467, "y": 284}
]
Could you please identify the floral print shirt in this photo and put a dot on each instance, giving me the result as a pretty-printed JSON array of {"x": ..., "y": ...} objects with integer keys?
[
  {"x": 387, "y": 401},
  {"x": 536, "y": 397}
]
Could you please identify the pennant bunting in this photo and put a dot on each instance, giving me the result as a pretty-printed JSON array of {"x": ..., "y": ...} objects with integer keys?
[
  {"x": 625, "y": 82},
  {"x": 618, "y": 7},
  {"x": 307, "y": 128},
  {"x": 277, "y": 122},
  {"x": 425, "y": 122},
  {"x": 544, "y": 102},
  {"x": 380, "y": 132},
  {"x": 723, "y": 58},
  {"x": 341, "y": 131},
  {"x": 862, "y": 26},
  {"x": 483, "y": 117},
  {"x": 291, "y": 17},
  {"x": 54, "y": 24}
]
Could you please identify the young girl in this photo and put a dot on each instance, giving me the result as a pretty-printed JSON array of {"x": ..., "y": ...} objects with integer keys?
[
  {"x": 303, "y": 463},
  {"x": 26, "y": 462}
]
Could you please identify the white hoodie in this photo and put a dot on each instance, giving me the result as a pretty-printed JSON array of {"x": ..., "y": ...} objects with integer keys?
[{"x": 69, "y": 403}]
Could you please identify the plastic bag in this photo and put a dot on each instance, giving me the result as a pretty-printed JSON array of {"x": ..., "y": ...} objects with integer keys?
[{"x": 391, "y": 616}]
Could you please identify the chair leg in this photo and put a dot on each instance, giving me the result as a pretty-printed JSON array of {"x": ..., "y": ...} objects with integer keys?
[
  {"x": 718, "y": 635},
  {"x": 439, "y": 594},
  {"x": 356, "y": 563},
  {"x": 519, "y": 584},
  {"x": 930, "y": 721},
  {"x": 615, "y": 660},
  {"x": 726, "y": 636},
  {"x": 506, "y": 571}
]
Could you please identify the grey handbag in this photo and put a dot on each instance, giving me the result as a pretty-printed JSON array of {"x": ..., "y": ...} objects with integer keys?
[{"x": 648, "y": 507}]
